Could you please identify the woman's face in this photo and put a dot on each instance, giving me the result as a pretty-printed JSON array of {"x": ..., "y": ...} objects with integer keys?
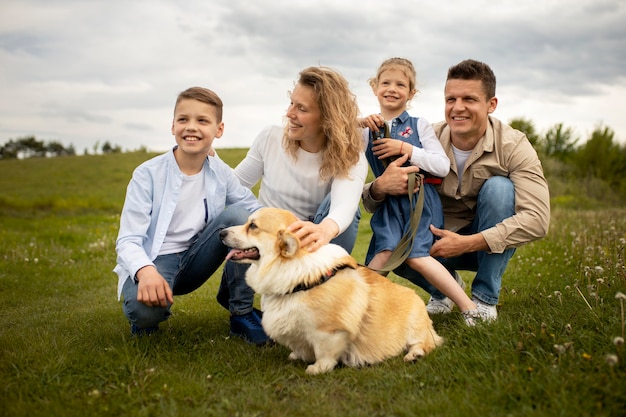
[{"x": 304, "y": 118}]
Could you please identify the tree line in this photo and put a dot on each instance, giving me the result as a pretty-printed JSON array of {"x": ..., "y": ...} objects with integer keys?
[
  {"x": 600, "y": 157},
  {"x": 30, "y": 147},
  {"x": 597, "y": 165}
]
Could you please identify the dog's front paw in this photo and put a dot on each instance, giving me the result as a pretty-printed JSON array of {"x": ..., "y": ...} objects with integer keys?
[
  {"x": 414, "y": 354},
  {"x": 293, "y": 356},
  {"x": 320, "y": 367}
]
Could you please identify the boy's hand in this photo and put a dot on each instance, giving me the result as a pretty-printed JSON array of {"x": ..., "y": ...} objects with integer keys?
[{"x": 152, "y": 289}]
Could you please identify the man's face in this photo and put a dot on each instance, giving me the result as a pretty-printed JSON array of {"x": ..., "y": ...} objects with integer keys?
[{"x": 467, "y": 109}]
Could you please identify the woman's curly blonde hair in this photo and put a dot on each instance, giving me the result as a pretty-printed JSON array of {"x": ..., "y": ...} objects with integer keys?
[{"x": 338, "y": 114}]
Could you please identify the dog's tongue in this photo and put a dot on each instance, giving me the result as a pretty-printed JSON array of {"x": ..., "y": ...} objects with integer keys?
[
  {"x": 239, "y": 254},
  {"x": 233, "y": 252}
]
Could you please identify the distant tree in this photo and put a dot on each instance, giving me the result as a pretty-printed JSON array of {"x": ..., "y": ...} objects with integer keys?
[
  {"x": 26, "y": 147},
  {"x": 30, "y": 147},
  {"x": 54, "y": 148},
  {"x": 559, "y": 142},
  {"x": 528, "y": 128},
  {"x": 9, "y": 150},
  {"x": 108, "y": 148},
  {"x": 601, "y": 157}
]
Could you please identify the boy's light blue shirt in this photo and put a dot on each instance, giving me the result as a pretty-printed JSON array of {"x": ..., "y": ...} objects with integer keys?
[{"x": 151, "y": 198}]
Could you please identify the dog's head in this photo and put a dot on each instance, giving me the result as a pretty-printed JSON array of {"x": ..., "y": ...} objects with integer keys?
[{"x": 263, "y": 235}]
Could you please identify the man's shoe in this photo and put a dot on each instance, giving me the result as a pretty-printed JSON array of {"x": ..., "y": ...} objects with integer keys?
[
  {"x": 248, "y": 327},
  {"x": 146, "y": 331},
  {"x": 444, "y": 305},
  {"x": 488, "y": 312}
]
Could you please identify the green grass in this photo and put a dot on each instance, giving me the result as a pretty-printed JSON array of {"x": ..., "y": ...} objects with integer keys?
[{"x": 65, "y": 347}]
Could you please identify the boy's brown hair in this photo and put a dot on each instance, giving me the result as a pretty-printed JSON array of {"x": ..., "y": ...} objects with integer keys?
[{"x": 203, "y": 95}]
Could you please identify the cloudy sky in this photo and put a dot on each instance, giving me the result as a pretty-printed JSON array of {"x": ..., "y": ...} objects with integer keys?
[{"x": 91, "y": 71}]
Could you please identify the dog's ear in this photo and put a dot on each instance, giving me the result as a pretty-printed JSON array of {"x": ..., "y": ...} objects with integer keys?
[{"x": 288, "y": 244}]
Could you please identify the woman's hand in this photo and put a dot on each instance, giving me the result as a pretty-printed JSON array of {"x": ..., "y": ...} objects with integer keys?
[{"x": 313, "y": 236}]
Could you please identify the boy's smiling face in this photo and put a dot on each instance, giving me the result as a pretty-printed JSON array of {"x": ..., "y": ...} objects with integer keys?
[{"x": 195, "y": 126}]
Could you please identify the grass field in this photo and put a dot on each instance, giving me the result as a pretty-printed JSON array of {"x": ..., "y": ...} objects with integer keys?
[{"x": 65, "y": 347}]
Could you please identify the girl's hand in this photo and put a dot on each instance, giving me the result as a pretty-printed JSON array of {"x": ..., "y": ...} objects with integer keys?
[
  {"x": 374, "y": 122},
  {"x": 386, "y": 147}
]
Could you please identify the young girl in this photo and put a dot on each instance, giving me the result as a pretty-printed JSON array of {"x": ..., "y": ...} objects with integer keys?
[{"x": 413, "y": 138}]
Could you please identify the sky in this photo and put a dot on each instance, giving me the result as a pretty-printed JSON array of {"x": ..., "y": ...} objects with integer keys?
[{"x": 95, "y": 71}]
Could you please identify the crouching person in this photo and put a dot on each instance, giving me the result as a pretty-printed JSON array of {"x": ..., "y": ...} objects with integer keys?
[{"x": 176, "y": 205}]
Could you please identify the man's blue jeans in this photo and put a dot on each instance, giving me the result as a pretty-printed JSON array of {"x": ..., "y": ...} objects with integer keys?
[
  {"x": 187, "y": 271},
  {"x": 496, "y": 202}
]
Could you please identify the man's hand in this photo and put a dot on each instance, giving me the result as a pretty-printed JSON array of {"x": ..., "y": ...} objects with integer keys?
[
  {"x": 395, "y": 179},
  {"x": 450, "y": 244},
  {"x": 152, "y": 289}
]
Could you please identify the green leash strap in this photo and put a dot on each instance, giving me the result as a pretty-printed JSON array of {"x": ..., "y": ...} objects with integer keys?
[{"x": 402, "y": 250}]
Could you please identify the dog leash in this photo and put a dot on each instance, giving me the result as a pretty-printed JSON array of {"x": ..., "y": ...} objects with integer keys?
[{"x": 402, "y": 250}]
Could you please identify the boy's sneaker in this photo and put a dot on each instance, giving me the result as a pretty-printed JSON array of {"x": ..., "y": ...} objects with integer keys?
[
  {"x": 471, "y": 317},
  {"x": 488, "y": 312},
  {"x": 146, "y": 331},
  {"x": 248, "y": 327},
  {"x": 444, "y": 305}
]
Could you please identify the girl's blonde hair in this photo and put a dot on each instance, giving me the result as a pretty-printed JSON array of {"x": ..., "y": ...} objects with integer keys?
[
  {"x": 338, "y": 114},
  {"x": 401, "y": 64}
]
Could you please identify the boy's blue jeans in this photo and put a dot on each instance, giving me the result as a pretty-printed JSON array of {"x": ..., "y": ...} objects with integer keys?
[
  {"x": 187, "y": 271},
  {"x": 496, "y": 202}
]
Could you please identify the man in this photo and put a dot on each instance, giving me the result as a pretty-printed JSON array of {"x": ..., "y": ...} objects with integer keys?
[{"x": 495, "y": 197}]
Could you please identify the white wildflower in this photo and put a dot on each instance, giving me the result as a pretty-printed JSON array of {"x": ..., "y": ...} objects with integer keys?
[{"x": 611, "y": 359}]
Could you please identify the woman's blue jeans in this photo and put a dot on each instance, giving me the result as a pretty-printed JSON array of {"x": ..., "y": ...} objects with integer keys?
[
  {"x": 187, "y": 271},
  {"x": 348, "y": 238},
  {"x": 496, "y": 202}
]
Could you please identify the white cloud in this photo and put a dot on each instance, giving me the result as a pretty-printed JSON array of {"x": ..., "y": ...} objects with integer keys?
[{"x": 95, "y": 71}]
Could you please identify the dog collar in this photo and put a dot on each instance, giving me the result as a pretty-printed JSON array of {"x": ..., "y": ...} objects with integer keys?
[{"x": 328, "y": 275}]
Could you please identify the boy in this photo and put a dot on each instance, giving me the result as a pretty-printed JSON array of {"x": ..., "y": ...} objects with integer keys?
[{"x": 168, "y": 242}]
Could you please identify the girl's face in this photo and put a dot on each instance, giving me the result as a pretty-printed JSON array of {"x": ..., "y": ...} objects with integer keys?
[
  {"x": 393, "y": 91},
  {"x": 304, "y": 118},
  {"x": 195, "y": 127}
]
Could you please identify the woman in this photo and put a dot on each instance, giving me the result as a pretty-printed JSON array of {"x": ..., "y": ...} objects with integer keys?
[{"x": 315, "y": 165}]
